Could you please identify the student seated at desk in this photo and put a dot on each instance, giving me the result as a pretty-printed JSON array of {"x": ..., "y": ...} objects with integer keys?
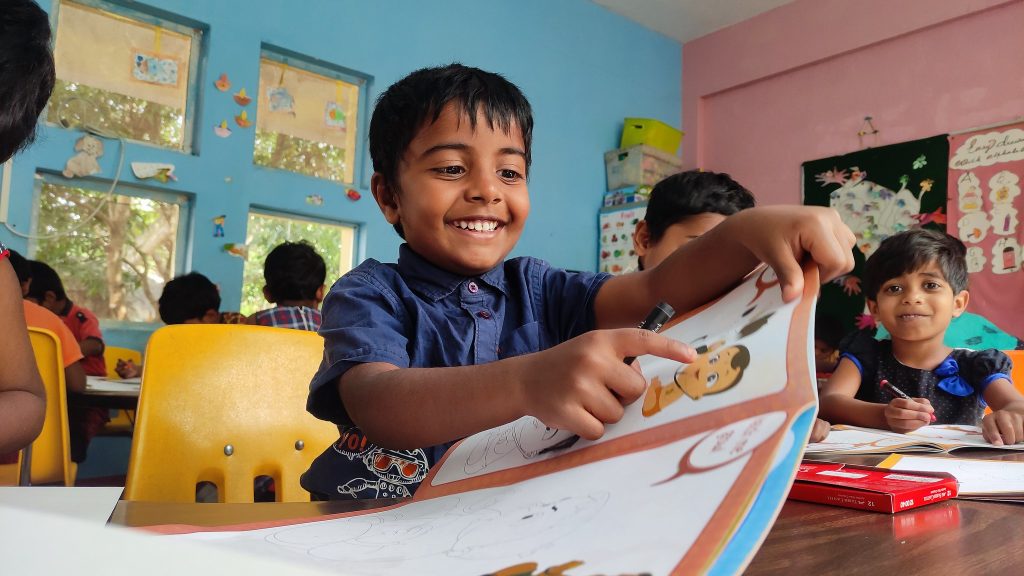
[
  {"x": 47, "y": 290},
  {"x": 26, "y": 81},
  {"x": 915, "y": 283},
  {"x": 294, "y": 275},
  {"x": 453, "y": 339},
  {"x": 684, "y": 207},
  {"x": 187, "y": 299}
]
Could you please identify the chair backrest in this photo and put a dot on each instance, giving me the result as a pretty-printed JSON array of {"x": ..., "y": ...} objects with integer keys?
[
  {"x": 10, "y": 473},
  {"x": 1017, "y": 375},
  {"x": 51, "y": 452},
  {"x": 111, "y": 354},
  {"x": 225, "y": 404}
]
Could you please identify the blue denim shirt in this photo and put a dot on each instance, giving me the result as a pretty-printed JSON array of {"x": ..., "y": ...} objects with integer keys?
[{"x": 415, "y": 315}]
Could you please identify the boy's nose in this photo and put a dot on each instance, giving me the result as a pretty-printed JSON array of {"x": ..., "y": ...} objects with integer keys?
[{"x": 484, "y": 189}]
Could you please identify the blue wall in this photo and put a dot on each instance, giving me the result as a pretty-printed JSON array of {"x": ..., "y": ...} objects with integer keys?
[{"x": 582, "y": 67}]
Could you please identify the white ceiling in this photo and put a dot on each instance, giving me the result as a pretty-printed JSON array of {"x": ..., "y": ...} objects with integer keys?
[{"x": 685, "y": 20}]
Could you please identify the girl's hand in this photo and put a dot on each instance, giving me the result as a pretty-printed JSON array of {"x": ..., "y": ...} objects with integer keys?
[
  {"x": 820, "y": 430},
  {"x": 1003, "y": 427},
  {"x": 908, "y": 415},
  {"x": 583, "y": 384}
]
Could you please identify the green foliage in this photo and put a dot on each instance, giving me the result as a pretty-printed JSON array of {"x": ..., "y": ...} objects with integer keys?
[
  {"x": 115, "y": 262},
  {"x": 317, "y": 159},
  {"x": 112, "y": 113},
  {"x": 265, "y": 232}
]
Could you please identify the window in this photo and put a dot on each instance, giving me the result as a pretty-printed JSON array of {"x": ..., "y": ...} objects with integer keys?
[
  {"x": 334, "y": 242},
  {"x": 124, "y": 73},
  {"x": 307, "y": 117},
  {"x": 113, "y": 251}
]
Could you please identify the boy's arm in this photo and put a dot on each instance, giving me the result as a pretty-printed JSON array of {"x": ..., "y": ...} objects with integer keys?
[
  {"x": 74, "y": 377},
  {"x": 579, "y": 386},
  {"x": 91, "y": 346},
  {"x": 1005, "y": 425},
  {"x": 780, "y": 236},
  {"x": 22, "y": 397}
]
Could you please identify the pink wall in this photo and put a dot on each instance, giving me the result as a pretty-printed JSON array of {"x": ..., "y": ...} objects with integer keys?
[{"x": 794, "y": 84}]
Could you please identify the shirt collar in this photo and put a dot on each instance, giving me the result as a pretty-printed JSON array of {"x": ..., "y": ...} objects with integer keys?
[{"x": 436, "y": 283}]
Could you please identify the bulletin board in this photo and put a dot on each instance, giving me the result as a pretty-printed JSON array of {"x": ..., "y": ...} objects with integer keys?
[
  {"x": 985, "y": 171},
  {"x": 877, "y": 192}
]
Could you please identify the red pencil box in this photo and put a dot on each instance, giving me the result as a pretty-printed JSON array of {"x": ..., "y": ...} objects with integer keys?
[{"x": 869, "y": 488}]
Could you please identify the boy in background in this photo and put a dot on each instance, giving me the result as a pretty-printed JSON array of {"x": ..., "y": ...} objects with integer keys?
[
  {"x": 26, "y": 81},
  {"x": 453, "y": 339},
  {"x": 47, "y": 290},
  {"x": 294, "y": 275},
  {"x": 187, "y": 299}
]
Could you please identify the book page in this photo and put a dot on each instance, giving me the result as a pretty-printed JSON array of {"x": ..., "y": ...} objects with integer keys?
[
  {"x": 976, "y": 477},
  {"x": 934, "y": 438}
]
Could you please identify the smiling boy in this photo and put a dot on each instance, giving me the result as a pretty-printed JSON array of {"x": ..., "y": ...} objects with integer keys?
[{"x": 453, "y": 339}]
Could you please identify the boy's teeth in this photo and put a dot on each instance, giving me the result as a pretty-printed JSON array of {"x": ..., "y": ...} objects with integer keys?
[{"x": 478, "y": 225}]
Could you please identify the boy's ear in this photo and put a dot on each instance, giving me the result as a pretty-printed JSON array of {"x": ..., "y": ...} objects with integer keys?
[
  {"x": 320, "y": 293},
  {"x": 49, "y": 299},
  {"x": 960, "y": 303},
  {"x": 873, "y": 309},
  {"x": 641, "y": 238},
  {"x": 386, "y": 198},
  {"x": 266, "y": 294},
  {"x": 211, "y": 317}
]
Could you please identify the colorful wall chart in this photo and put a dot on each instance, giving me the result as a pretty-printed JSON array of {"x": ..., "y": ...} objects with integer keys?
[
  {"x": 878, "y": 192},
  {"x": 986, "y": 168}
]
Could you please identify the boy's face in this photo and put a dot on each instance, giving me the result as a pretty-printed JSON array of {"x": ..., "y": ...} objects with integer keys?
[
  {"x": 711, "y": 373},
  {"x": 919, "y": 305},
  {"x": 675, "y": 236},
  {"x": 462, "y": 199}
]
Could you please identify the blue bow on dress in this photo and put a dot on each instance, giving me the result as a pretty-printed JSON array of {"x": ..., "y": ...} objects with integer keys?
[{"x": 951, "y": 381}]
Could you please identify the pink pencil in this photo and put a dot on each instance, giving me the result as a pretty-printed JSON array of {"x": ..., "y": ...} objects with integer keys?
[{"x": 885, "y": 385}]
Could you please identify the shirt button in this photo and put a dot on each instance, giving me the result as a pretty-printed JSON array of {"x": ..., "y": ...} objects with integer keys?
[
  {"x": 473, "y": 288},
  {"x": 484, "y": 314}
]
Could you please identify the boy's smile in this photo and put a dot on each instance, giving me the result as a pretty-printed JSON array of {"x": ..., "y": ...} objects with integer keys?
[
  {"x": 919, "y": 305},
  {"x": 462, "y": 199}
]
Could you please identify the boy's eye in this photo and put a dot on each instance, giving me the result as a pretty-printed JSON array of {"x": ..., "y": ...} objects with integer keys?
[
  {"x": 893, "y": 289},
  {"x": 712, "y": 379},
  {"x": 932, "y": 285},
  {"x": 509, "y": 174},
  {"x": 453, "y": 170},
  {"x": 713, "y": 359}
]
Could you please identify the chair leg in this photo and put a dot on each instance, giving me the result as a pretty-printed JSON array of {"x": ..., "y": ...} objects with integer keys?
[{"x": 25, "y": 474}]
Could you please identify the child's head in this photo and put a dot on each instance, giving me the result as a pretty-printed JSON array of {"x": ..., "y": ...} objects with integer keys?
[
  {"x": 683, "y": 207},
  {"x": 916, "y": 282},
  {"x": 46, "y": 289},
  {"x": 717, "y": 370},
  {"x": 26, "y": 72},
  {"x": 294, "y": 272},
  {"x": 190, "y": 299},
  {"x": 451, "y": 152},
  {"x": 828, "y": 332},
  {"x": 22, "y": 270}
]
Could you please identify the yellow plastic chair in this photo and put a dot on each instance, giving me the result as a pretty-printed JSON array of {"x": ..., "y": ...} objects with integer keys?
[
  {"x": 121, "y": 421},
  {"x": 51, "y": 451},
  {"x": 10, "y": 474},
  {"x": 225, "y": 404}
]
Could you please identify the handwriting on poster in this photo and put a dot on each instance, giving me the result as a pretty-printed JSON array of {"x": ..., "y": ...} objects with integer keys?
[{"x": 989, "y": 148}]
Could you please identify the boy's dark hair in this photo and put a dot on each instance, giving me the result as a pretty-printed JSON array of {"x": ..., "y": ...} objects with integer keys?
[
  {"x": 26, "y": 72},
  {"x": 419, "y": 98},
  {"x": 293, "y": 271},
  {"x": 912, "y": 250},
  {"x": 690, "y": 193},
  {"x": 22, "y": 269},
  {"x": 188, "y": 297},
  {"x": 45, "y": 279},
  {"x": 829, "y": 330}
]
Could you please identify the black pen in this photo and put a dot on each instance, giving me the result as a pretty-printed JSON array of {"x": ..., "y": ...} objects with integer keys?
[{"x": 655, "y": 320}]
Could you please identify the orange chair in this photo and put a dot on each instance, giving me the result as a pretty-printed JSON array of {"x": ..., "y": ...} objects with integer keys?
[
  {"x": 51, "y": 453},
  {"x": 1017, "y": 375},
  {"x": 225, "y": 404}
]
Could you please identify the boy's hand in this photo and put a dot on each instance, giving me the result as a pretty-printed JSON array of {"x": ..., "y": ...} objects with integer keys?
[
  {"x": 583, "y": 384},
  {"x": 1003, "y": 427},
  {"x": 126, "y": 369},
  {"x": 820, "y": 430},
  {"x": 908, "y": 415},
  {"x": 781, "y": 236}
]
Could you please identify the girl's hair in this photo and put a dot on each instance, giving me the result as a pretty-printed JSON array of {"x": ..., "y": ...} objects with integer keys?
[{"x": 912, "y": 250}]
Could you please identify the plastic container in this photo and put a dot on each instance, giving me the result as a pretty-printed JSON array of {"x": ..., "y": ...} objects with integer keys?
[
  {"x": 650, "y": 132},
  {"x": 639, "y": 166}
]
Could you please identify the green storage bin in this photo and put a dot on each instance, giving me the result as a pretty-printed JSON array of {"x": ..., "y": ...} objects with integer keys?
[{"x": 650, "y": 132}]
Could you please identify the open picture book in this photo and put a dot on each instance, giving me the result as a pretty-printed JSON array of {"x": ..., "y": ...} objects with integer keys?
[
  {"x": 1001, "y": 480},
  {"x": 689, "y": 481},
  {"x": 935, "y": 438}
]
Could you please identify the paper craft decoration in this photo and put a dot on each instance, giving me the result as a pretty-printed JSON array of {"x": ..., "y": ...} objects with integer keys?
[
  {"x": 979, "y": 479},
  {"x": 243, "y": 120},
  {"x": 218, "y": 226},
  {"x": 241, "y": 98},
  {"x": 280, "y": 100},
  {"x": 315, "y": 200},
  {"x": 222, "y": 83},
  {"x": 985, "y": 172},
  {"x": 155, "y": 70},
  {"x": 935, "y": 438},
  {"x": 87, "y": 149},
  {"x": 877, "y": 192},
  {"x": 334, "y": 116},
  {"x": 353, "y": 194},
  {"x": 235, "y": 249},
  {"x": 691, "y": 488},
  {"x": 157, "y": 170},
  {"x": 222, "y": 129}
]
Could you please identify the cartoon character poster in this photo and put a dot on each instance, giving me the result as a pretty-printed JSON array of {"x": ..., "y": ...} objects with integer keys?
[
  {"x": 692, "y": 486},
  {"x": 986, "y": 169},
  {"x": 877, "y": 192}
]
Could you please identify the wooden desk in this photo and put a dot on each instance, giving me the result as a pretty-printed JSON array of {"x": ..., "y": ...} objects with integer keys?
[
  {"x": 103, "y": 393},
  {"x": 952, "y": 537}
]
